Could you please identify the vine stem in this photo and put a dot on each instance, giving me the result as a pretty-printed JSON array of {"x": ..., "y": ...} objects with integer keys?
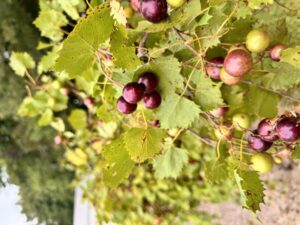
[
  {"x": 270, "y": 90},
  {"x": 203, "y": 139},
  {"x": 141, "y": 49},
  {"x": 284, "y": 6}
]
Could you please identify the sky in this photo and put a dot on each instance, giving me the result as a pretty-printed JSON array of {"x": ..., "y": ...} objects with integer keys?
[{"x": 10, "y": 211}]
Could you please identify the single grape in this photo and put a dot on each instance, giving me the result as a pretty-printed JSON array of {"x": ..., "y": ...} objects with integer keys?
[
  {"x": 214, "y": 66},
  {"x": 219, "y": 112},
  {"x": 257, "y": 41},
  {"x": 241, "y": 121},
  {"x": 258, "y": 144},
  {"x": 125, "y": 107},
  {"x": 58, "y": 140},
  {"x": 149, "y": 80},
  {"x": 152, "y": 100},
  {"x": 228, "y": 79},
  {"x": 275, "y": 52},
  {"x": 223, "y": 133},
  {"x": 262, "y": 162},
  {"x": 176, "y": 3},
  {"x": 288, "y": 129},
  {"x": 89, "y": 102},
  {"x": 128, "y": 11},
  {"x": 238, "y": 63},
  {"x": 154, "y": 10},
  {"x": 133, "y": 92},
  {"x": 135, "y": 5},
  {"x": 266, "y": 130}
]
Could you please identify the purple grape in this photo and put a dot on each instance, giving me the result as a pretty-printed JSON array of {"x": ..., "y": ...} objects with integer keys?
[
  {"x": 214, "y": 66},
  {"x": 133, "y": 92},
  {"x": 275, "y": 52},
  {"x": 154, "y": 10},
  {"x": 267, "y": 131},
  {"x": 152, "y": 100},
  {"x": 125, "y": 107},
  {"x": 288, "y": 129},
  {"x": 149, "y": 80},
  {"x": 238, "y": 62},
  {"x": 258, "y": 144}
]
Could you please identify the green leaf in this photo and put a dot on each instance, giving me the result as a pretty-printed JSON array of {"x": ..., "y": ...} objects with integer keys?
[
  {"x": 70, "y": 7},
  {"x": 79, "y": 49},
  {"x": 261, "y": 102},
  {"x": 257, "y": 4},
  {"x": 123, "y": 52},
  {"x": 208, "y": 94},
  {"x": 20, "y": 62},
  {"x": 251, "y": 189},
  {"x": 291, "y": 56},
  {"x": 216, "y": 170},
  {"x": 119, "y": 164},
  {"x": 49, "y": 22},
  {"x": 143, "y": 144},
  {"x": 168, "y": 71},
  {"x": 296, "y": 153},
  {"x": 171, "y": 162},
  {"x": 48, "y": 60},
  {"x": 46, "y": 118},
  {"x": 176, "y": 111},
  {"x": 282, "y": 77},
  {"x": 78, "y": 119}
]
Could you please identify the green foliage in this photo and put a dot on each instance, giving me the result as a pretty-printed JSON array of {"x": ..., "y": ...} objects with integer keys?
[{"x": 132, "y": 159}]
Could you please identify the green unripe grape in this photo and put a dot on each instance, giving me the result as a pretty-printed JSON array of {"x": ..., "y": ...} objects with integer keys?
[
  {"x": 262, "y": 162},
  {"x": 128, "y": 11},
  {"x": 176, "y": 3},
  {"x": 257, "y": 41},
  {"x": 241, "y": 121}
]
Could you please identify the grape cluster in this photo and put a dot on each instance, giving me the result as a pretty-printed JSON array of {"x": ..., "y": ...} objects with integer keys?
[
  {"x": 284, "y": 128},
  {"x": 155, "y": 10},
  {"x": 134, "y": 92},
  {"x": 238, "y": 61}
]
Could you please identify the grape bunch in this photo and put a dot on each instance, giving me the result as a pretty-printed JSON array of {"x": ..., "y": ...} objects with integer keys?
[
  {"x": 238, "y": 61},
  {"x": 134, "y": 92}
]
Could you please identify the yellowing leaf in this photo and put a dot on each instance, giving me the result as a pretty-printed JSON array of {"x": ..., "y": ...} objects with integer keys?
[
  {"x": 291, "y": 56},
  {"x": 142, "y": 144},
  {"x": 20, "y": 62}
]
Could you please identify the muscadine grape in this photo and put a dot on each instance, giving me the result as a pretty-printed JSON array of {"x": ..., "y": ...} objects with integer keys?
[
  {"x": 135, "y": 5},
  {"x": 258, "y": 144},
  {"x": 257, "y": 41},
  {"x": 176, "y": 3},
  {"x": 125, "y": 107},
  {"x": 238, "y": 63},
  {"x": 241, "y": 121},
  {"x": 228, "y": 79},
  {"x": 223, "y": 133},
  {"x": 219, "y": 112},
  {"x": 128, "y": 11},
  {"x": 152, "y": 100},
  {"x": 275, "y": 52},
  {"x": 154, "y": 10},
  {"x": 214, "y": 66},
  {"x": 262, "y": 162},
  {"x": 288, "y": 129},
  {"x": 266, "y": 130},
  {"x": 149, "y": 80},
  {"x": 88, "y": 102},
  {"x": 133, "y": 92}
]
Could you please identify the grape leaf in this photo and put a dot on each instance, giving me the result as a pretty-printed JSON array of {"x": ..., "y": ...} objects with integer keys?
[
  {"x": 46, "y": 118},
  {"x": 243, "y": 10},
  {"x": 123, "y": 52},
  {"x": 176, "y": 111},
  {"x": 208, "y": 94},
  {"x": 20, "y": 62},
  {"x": 78, "y": 51},
  {"x": 291, "y": 56},
  {"x": 283, "y": 76},
  {"x": 48, "y": 60},
  {"x": 117, "y": 12},
  {"x": 77, "y": 119},
  {"x": 251, "y": 189},
  {"x": 70, "y": 8},
  {"x": 216, "y": 170},
  {"x": 257, "y": 4},
  {"x": 261, "y": 102},
  {"x": 119, "y": 164},
  {"x": 49, "y": 22},
  {"x": 143, "y": 144},
  {"x": 171, "y": 162},
  {"x": 168, "y": 71}
]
